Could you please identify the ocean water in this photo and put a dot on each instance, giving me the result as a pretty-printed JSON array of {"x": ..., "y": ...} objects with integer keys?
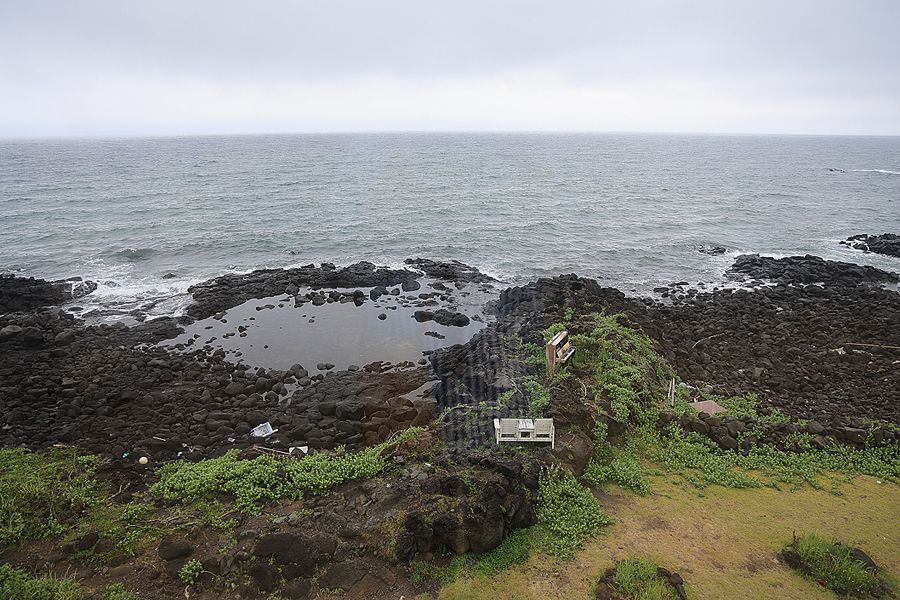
[{"x": 148, "y": 217}]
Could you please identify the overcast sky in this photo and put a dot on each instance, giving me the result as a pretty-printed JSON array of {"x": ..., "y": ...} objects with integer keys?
[{"x": 134, "y": 67}]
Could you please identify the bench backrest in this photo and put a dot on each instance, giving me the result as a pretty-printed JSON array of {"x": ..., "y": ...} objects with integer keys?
[
  {"x": 508, "y": 428},
  {"x": 543, "y": 428}
]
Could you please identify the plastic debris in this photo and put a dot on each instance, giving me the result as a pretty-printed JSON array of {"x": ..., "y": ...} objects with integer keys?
[{"x": 264, "y": 430}]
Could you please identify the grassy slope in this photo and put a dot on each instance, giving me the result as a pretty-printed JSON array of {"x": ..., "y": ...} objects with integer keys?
[{"x": 723, "y": 543}]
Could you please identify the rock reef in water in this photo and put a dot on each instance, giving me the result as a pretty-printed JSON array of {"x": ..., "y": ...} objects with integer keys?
[
  {"x": 232, "y": 290},
  {"x": 886, "y": 243},
  {"x": 228, "y": 291},
  {"x": 449, "y": 270},
  {"x": 21, "y": 294},
  {"x": 803, "y": 270}
]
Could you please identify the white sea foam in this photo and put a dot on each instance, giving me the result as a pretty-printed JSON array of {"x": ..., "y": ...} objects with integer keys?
[{"x": 885, "y": 171}]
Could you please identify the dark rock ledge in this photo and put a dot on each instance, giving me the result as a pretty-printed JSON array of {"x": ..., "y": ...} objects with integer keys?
[
  {"x": 21, "y": 294},
  {"x": 228, "y": 291},
  {"x": 886, "y": 243}
]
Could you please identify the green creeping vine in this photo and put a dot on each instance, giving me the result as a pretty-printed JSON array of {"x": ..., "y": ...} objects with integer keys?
[
  {"x": 567, "y": 513},
  {"x": 269, "y": 477},
  {"x": 39, "y": 490},
  {"x": 700, "y": 462},
  {"x": 624, "y": 366},
  {"x": 514, "y": 550},
  {"x": 621, "y": 466},
  {"x": 735, "y": 406}
]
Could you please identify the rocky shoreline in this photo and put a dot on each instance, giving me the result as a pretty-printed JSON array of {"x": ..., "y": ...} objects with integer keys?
[{"x": 814, "y": 339}]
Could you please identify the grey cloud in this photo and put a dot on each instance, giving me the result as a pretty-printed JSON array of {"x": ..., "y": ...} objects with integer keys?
[{"x": 770, "y": 50}]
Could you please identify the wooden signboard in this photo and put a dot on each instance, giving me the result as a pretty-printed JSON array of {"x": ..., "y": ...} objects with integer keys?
[{"x": 558, "y": 350}]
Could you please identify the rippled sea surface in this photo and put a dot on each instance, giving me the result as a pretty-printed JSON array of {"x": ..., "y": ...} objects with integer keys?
[{"x": 149, "y": 216}]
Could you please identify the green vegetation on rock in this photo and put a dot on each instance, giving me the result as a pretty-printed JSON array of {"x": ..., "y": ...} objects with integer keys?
[
  {"x": 623, "y": 378},
  {"x": 18, "y": 584},
  {"x": 567, "y": 513},
  {"x": 637, "y": 578},
  {"x": 270, "y": 477}
]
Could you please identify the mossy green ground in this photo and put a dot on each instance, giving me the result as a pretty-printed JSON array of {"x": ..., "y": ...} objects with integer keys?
[{"x": 723, "y": 543}]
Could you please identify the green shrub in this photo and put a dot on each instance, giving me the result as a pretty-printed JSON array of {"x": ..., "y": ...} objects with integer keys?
[
  {"x": 636, "y": 579},
  {"x": 833, "y": 563},
  {"x": 117, "y": 591},
  {"x": 621, "y": 466},
  {"x": 623, "y": 367},
  {"x": 190, "y": 571},
  {"x": 567, "y": 513},
  {"x": 624, "y": 470},
  {"x": 538, "y": 398}
]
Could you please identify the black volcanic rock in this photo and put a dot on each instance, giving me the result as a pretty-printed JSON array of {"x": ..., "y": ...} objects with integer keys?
[
  {"x": 802, "y": 270},
  {"x": 22, "y": 294},
  {"x": 233, "y": 290},
  {"x": 450, "y": 271},
  {"x": 886, "y": 243}
]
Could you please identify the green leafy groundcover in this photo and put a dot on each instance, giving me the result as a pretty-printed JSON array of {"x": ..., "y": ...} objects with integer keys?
[
  {"x": 514, "y": 550},
  {"x": 637, "y": 578},
  {"x": 37, "y": 491},
  {"x": 567, "y": 513},
  {"x": 269, "y": 477}
]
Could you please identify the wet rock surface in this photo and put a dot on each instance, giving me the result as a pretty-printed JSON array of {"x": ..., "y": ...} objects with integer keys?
[
  {"x": 112, "y": 390},
  {"x": 453, "y": 270},
  {"x": 807, "y": 270},
  {"x": 823, "y": 353},
  {"x": 21, "y": 294},
  {"x": 886, "y": 243},
  {"x": 229, "y": 291}
]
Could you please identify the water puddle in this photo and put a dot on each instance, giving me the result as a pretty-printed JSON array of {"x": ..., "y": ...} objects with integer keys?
[{"x": 278, "y": 332}]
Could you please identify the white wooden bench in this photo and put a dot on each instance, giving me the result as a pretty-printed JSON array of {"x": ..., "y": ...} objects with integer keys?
[
  {"x": 558, "y": 350},
  {"x": 525, "y": 430}
]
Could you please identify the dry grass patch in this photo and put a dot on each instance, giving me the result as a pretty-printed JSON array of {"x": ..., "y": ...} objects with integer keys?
[{"x": 723, "y": 544}]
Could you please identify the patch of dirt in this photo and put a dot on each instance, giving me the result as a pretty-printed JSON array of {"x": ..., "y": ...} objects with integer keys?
[
  {"x": 611, "y": 502},
  {"x": 755, "y": 563},
  {"x": 654, "y": 523}
]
